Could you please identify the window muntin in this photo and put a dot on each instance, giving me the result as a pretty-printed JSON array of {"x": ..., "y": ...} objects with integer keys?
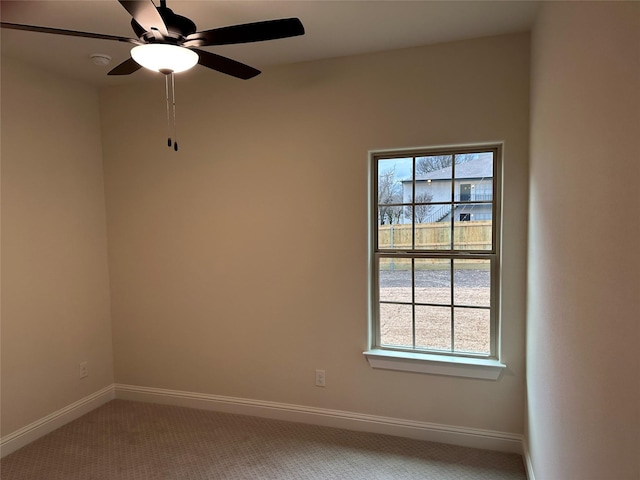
[{"x": 435, "y": 255}]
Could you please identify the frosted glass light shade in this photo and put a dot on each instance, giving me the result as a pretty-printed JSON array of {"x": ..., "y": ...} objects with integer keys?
[{"x": 159, "y": 56}]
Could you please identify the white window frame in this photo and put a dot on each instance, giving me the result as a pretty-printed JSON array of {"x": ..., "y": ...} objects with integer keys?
[{"x": 434, "y": 361}]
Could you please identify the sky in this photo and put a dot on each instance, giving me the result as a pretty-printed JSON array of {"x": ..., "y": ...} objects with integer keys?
[{"x": 404, "y": 167}]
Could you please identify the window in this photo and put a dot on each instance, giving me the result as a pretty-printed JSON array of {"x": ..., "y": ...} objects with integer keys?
[{"x": 435, "y": 256}]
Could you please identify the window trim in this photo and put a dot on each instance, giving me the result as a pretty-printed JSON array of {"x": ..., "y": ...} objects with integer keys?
[
  {"x": 455, "y": 366},
  {"x": 443, "y": 363}
]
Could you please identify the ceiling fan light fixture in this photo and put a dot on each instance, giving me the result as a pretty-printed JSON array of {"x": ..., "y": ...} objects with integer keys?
[{"x": 162, "y": 57}]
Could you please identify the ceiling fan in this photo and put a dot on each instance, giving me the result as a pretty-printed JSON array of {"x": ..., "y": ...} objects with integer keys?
[{"x": 167, "y": 43}]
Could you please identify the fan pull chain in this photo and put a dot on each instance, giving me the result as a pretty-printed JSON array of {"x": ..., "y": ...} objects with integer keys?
[
  {"x": 166, "y": 83},
  {"x": 175, "y": 128}
]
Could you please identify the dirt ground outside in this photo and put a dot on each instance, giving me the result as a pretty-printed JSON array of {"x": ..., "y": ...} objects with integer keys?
[{"x": 434, "y": 326}]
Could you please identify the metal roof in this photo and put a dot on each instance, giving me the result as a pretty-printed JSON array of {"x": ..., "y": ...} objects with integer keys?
[{"x": 481, "y": 167}]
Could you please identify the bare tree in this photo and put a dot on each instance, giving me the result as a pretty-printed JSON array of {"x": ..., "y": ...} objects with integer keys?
[
  {"x": 389, "y": 192},
  {"x": 421, "y": 211},
  {"x": 425, "y": 165}
]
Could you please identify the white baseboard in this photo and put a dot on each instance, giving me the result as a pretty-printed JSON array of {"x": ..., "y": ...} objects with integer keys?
[
  {"x": 528, "y": 466},
  {"x": 21, "y": 437},
  {"x": 433, "y": 432}
]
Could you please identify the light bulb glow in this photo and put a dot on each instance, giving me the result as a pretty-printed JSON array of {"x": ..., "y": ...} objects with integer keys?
[{"x": 160, "y": 56}]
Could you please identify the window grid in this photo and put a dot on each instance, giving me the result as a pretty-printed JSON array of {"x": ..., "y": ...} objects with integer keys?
[{"x": 451, "y": 254}]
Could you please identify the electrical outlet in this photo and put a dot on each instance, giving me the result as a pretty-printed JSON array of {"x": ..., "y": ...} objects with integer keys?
[
  {"x": 320, "y": 378},
  {"x": 84, "y": 370}
]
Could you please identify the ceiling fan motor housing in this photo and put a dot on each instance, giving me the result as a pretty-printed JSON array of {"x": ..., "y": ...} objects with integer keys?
[{"x": 179, "y": 28}]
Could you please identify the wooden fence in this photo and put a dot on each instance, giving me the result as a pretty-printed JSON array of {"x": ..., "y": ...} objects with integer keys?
[{"x": 437, "y": 236}]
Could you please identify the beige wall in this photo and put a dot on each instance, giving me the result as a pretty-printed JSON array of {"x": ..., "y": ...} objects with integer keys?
[
  {"x": 55, "y": 295},
  {"x": 583, "y": 367},
  {"x": 212, "y": 293}
]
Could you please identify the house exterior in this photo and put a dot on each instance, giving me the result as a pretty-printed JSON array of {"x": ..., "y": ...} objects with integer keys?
[{"x": 473, "y": 182}]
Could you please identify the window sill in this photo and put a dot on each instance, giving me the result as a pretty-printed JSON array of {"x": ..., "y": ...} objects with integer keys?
[{"x": 486, "y": 369}]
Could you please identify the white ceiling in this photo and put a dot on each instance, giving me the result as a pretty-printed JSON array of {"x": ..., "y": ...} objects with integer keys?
[{"x": 333, "y": 29}]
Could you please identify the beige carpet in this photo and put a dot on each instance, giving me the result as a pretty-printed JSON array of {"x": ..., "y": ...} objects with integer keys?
[{"x": 134, "y": 440}]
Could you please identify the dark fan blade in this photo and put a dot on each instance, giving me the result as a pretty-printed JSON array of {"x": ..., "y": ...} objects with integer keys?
[
  {"x": 247, "y": 32},
  {"x": 146, "y": 14},
  {"x": 72, "y": 33},
  {"x": 226, "y": 65},
  {"x": 125, "y": 68}
]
